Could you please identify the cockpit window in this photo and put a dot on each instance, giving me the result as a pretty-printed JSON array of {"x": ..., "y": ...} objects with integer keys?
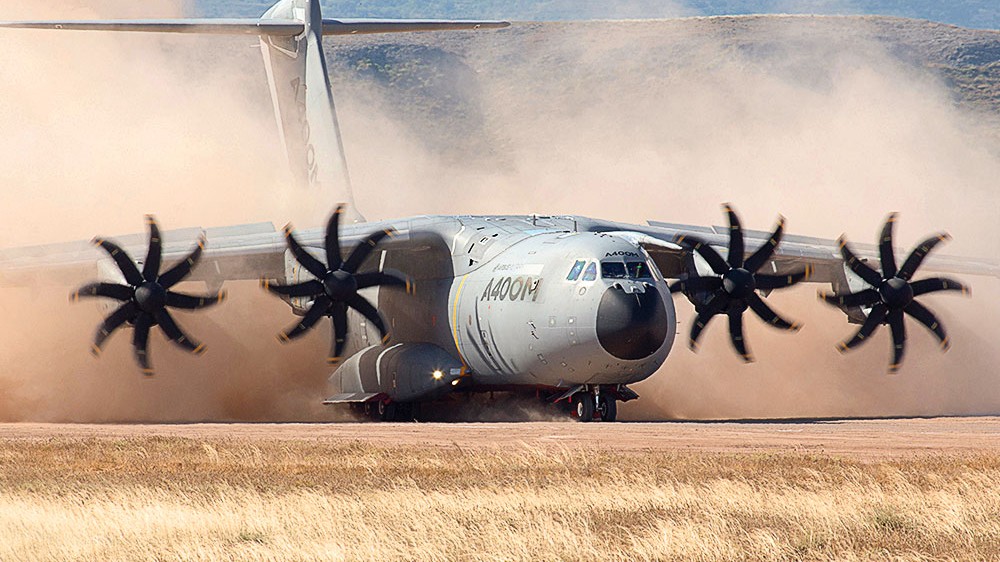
[
  {"x": 625, "y": 270},
  {"x": 613, "y": 270},
  {"x": 574, "y": 273},
  {"x": 638, "y": 270},
  {"x": 591, "y": 272}
]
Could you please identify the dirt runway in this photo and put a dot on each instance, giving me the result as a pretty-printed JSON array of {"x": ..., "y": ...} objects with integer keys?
[{"x": 853, "y": 438}]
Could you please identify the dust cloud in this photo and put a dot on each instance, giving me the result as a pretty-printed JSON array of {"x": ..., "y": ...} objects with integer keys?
[
  {"x": 100, "y": 129},
  {"x": 809, "y": 117}
]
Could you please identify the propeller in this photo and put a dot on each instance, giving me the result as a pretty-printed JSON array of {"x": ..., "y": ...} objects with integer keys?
[
  {"x": 146, "y": 296},
  {"x": 336, "y": 285},
  {"x": 891, "y": 293},
  {"x": 734, "y": 286}
]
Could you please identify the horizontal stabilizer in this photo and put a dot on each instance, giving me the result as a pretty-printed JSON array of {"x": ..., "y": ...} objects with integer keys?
[
  {"x": 363, "y": 26},
  {"x": 280, "y": 28},
  {"x": 260, "y": 27}
]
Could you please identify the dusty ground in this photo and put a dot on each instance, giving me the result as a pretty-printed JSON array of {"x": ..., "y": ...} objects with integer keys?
[
  {"x": 856, "y": 438},
  {"x": 916, "y": 489}
]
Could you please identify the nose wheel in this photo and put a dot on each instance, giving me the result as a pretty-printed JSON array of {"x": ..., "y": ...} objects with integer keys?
[
  {"x": 583, "y": 405},
  {"x": 607, "y": 408},
  {"x": 589, "y": 407}
]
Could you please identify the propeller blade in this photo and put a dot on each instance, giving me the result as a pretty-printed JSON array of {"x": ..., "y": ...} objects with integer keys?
[
  {"x": 108, "y": 290},
  {"x": 318, "y": 310},
  {"x": 886, "y": 254},
  {"x": 714, "y": 306},
  {"x": 922, "y": 314},
  {"x": 140, "y": 341},
  {"x": 361, "y": 304},
  {"x": 192, "y": 302},
  {"x": 312, "y": 265},
  {"x": 768, "y": 282},
  {"x": 918, "y": 254},
  {"x": 934, "y": 284},
  {"x": 304, "y": 289},
  {"x": 874, "y": 320},
  {"x": 336, "y": 286},
  {"x": 736, "y": 335},
  {"x": 151, "y": 269},
  {"x": 333, "y": 258},
  {"x": 382, "y": 278},
  {"x": 764, "y": 253},
  {"x": 142, "y": 305},
  {"x": 736, "y": 248},
  {"x": 697, "y": 284},
  {"x": 115, "y": 320},
  {"x": 364, "y": 248},
  {"x": 898, "y": 339},
  {"x": 861, "y": 298},
  {"x": 768, "y": 315},
  {"x": 339, "y": 318},
  {"x": 861, "y": 269},
  {"x": 123, "y": 260},
  {"x": 177, "y": 273},
  {"x": 176, "y": 335},
  {"x": 715, "y": 261}
]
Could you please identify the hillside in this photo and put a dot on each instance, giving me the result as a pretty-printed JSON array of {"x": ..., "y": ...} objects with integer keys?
[
  {"x": 440, "y": 84},
  {"x": 981, "y": 14}
]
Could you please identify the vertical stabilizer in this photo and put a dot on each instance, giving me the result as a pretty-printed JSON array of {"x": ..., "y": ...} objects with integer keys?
[{"x": 303, "y": 105}]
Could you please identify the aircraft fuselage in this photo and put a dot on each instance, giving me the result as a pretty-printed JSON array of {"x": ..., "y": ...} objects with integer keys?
[{"x": 514, "y": 301}]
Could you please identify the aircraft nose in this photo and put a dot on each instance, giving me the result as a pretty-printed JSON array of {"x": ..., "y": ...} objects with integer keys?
[{"x": 631, "y": 326}]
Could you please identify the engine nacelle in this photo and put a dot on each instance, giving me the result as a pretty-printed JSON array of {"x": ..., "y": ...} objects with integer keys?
[{"x": 405, "y": 372}]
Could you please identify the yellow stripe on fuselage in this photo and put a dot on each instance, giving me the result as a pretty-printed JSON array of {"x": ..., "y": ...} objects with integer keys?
[{"x": 454, "y": 319}]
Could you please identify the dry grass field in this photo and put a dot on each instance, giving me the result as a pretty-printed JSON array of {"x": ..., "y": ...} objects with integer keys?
[{"x": 248, "y": 496}]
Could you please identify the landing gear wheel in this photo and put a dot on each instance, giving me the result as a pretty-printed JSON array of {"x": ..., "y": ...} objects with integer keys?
[
  {"x": 583, "y": 405},
  {"x": 387, "y": 411},
  {"x": 608, "y": 408}
]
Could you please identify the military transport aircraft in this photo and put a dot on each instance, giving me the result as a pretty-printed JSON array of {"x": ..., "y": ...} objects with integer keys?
[{"x": 571, "y": 308}]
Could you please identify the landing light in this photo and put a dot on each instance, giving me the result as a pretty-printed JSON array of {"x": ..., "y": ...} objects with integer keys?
[
  {"x": 454, "y": 382},
  {"x": 437, "y": 374}
]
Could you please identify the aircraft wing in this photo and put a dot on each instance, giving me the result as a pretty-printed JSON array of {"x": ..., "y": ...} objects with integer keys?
[
  {"x": 819, "y": 257},
  {"x": 796, "y": 252},
  {"x": 822, "y": 255},
  {"x": 244, "y": 252}
]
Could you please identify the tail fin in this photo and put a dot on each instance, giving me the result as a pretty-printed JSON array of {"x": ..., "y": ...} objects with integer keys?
[{"x": 303, "y": 103}]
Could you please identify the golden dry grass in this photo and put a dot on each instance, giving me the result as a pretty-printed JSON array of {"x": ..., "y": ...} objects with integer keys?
[{"x": 258, "y": 499}]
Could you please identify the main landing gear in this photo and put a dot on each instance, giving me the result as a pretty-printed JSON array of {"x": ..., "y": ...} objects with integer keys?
[{"x": 388, "y": 411}]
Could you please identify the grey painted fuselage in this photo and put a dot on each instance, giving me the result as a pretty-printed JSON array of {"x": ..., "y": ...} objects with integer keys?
[{"x": 524, "y": 301}]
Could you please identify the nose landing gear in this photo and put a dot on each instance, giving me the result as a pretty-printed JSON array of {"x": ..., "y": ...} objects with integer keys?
[
  {"x": 583, "y": 406},
  {"x": 591, "y": 404},
  {"x": 607, "y": 408}
]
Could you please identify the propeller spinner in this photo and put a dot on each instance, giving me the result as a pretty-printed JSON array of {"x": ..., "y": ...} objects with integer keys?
[
  {"x": 336, "y": 285},
  {"x": 146, "y": 296},
  {"x": 734, "y": 286},
  {"x": 891, "y": 293}
]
